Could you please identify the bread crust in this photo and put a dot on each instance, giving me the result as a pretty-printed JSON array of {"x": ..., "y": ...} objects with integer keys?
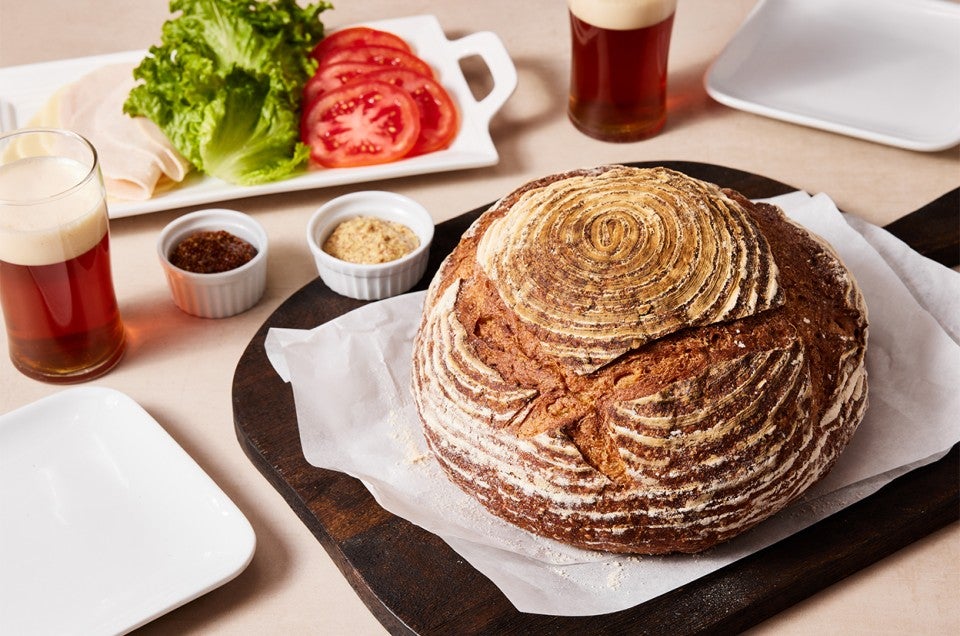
[{"x": 633, "y": 402}]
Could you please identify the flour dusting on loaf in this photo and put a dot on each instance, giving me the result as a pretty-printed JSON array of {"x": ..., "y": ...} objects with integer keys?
[{"x": 633, "y": 360}]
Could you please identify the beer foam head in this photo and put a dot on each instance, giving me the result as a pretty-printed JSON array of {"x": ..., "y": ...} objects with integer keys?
[
  {"x": 51, "y": 209},
  {"x": 622, "y": 15}
]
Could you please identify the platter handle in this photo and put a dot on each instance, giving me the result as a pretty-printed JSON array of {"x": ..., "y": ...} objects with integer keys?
[{"x": 491, "y": 50}]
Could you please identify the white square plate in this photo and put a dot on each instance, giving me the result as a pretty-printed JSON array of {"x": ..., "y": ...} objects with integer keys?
[
  {"x": 883, "y": 70},
  {"x": 24, "y": 90},
  {"x": 106, "y": 522}
]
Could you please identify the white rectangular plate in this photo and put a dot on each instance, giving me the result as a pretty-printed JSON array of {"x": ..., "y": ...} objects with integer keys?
[
  {"x": 883, "y": 70},
  {"x": 106, "y": 522},
  {"x": 24, "y": 89}
]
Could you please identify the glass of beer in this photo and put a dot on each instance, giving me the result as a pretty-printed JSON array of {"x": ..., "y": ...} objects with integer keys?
[
  {"x": 56, "y": 287},
  {"x": 618, "y": 70}
]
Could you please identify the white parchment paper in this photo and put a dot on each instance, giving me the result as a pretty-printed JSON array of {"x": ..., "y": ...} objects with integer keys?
[{"x": 351, "y": 379}]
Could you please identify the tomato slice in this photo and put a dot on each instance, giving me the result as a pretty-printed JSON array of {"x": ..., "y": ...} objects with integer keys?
[
  {"x": 332, "y": 76},
  {"x": 383, "y": 55},
  {"x": 358, "y": 36},
  {"x": 360, "y": 124},
  {"x": 439, "y": 118}
]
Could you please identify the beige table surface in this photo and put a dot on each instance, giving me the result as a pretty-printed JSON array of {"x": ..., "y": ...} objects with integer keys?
[{"x": 180, "y": 368}]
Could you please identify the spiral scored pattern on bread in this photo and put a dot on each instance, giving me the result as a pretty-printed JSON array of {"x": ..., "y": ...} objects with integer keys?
[
  {"x": 662, "y": 430},
  {"x": 600, "y": 270}
]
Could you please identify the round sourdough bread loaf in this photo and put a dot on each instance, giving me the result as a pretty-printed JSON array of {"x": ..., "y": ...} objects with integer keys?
[{"x": 633, "y": 360}]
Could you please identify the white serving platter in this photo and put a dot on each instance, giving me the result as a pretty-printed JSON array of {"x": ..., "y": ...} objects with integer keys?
[
  {"x": 883, "y": 70},
  {"x": 24, "y": 89},
  {"x": 106, "y": 522}
]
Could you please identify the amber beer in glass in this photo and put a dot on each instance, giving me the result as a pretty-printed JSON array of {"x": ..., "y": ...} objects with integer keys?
[
  {"x": 56, "y": 288},
  {"x": 618, "y": 70}
]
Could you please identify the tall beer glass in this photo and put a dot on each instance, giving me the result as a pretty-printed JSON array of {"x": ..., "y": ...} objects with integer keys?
[
  {"x": 56, "y": 288},
  {"x": 618, "y": 70}
]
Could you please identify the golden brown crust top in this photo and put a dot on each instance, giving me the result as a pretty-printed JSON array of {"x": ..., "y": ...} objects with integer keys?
[{"x": 596, "y": 264}]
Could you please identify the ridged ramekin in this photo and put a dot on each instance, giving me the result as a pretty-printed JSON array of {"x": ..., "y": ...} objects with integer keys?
[
  {"x": 220, "y": 294},
  {"x": 382, "y": 280}
]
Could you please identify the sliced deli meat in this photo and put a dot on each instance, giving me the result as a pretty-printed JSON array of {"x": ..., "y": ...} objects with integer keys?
[{"x": 136, "y": 158}]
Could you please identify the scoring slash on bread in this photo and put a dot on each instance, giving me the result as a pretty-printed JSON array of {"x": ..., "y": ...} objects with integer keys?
[{"x": 633, "y": 360}]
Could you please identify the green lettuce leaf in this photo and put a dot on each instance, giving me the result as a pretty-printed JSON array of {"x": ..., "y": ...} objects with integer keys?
[{"x": 224, "y": 85}]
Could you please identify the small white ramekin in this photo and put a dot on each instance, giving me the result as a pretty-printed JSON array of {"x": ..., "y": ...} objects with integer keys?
[
  {"x": 220, "y": 294},
  {"x": 382, "y": 280}
]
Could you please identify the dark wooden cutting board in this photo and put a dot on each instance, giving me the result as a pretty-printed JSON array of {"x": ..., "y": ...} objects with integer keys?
[{"x": 415, "y": 584}]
